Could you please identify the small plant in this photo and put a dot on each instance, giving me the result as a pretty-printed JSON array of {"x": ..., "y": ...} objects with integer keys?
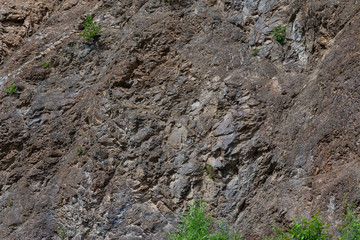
[
  {"x": 92, "y": 30},
  {"x": 10, "y": 201},
  {"x": 79, "y": 151},
  {"x": 302, "y": 229},
  {"x": 197, "y": 225},
  {"x": 11, "y": 89},
  {"x": 255, "y": 51},
  {"x": 350, "y": 230},
  {"x": 209, "y": 170},
  {"x": 45, "y": 64},
  {"x": 279, "y": 33},
  {"x": 61, "y": 233}
]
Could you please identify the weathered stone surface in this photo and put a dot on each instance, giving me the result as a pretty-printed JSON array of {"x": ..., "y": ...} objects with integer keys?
[{"x": 169, "y": 106}]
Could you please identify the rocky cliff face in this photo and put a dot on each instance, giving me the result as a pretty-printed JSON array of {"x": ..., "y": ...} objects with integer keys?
[{"x": 171, "y": 105}]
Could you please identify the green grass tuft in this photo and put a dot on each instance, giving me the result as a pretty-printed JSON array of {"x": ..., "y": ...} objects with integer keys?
[
  {"x": 255, "y": 51},
  {"x": 62, "y": 233},
  {"x": 45, "y": 64},
  {"x": 197, "y": 225},
  {"x": 79, "y": 151}
]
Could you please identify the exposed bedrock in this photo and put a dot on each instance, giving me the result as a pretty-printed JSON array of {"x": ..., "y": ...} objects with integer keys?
[{"x": 171, "y": 105}]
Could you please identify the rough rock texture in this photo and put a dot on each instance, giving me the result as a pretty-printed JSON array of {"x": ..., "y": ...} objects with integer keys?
[
  {"x": 19, "y": 19},
  {"x": 170, "y": 105}
]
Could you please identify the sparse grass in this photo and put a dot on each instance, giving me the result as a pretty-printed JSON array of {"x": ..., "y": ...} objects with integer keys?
[
  {"x": 209, "y": 170},
  {"x": 45, "y": 64},
  {"x": 197, "y": 225},
  {"x": 10, "y": 201},
  {"x": 255, "y": 51},
  {"x": 79, "y": 151},
  {"x": 279, "y": 33},
  {"x": 11, "y": 89},
  {"x": 62, "y": 233},
  {"x": 92, "y": 30}
]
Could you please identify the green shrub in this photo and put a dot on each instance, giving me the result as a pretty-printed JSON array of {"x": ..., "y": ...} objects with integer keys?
[
  {"x": 302, "y": 229},
  {"x": 11, "y": 89},
  {"x": 197, "y": 225},
  {"x": 279, "y": 33},
  {"x": 350, "y": 230},
  {"x": 312, "y": 229},
  {"x": 92, "y": 30}
]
